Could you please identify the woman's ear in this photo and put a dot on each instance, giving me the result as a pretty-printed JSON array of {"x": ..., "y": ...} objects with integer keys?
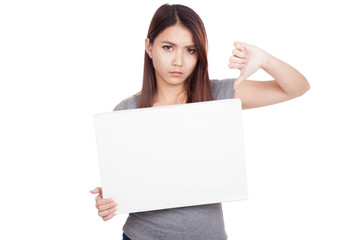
[{"x": 148, "y": 47}]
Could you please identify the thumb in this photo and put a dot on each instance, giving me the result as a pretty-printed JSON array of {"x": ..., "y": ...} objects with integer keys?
[
  {"x": 238, "y": 81},
  {"x": 96, "y": 190}
]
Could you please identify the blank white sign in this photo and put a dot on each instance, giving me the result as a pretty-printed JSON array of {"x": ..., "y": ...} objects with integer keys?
[{"x": 172, "y": 156}]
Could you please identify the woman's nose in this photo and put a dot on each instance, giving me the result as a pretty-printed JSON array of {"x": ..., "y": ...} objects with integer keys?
[{"x": 178, "y": 59}]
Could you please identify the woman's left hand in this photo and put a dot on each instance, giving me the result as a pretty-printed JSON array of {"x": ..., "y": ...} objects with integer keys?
[{"x": 248, "y": 59}]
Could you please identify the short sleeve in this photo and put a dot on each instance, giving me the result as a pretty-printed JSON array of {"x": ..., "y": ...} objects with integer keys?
[
  {"x": 119, "y": 106},
  {"x": 223, "y": 89},
  {"x": 128, "y": 103}
]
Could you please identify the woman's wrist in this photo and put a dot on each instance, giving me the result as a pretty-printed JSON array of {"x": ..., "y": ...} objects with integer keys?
[{"x": 267, "y": 61}]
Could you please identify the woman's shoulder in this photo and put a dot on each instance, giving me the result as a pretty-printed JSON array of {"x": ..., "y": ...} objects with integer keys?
[
  {"x": 223, "y": 89},
  {"x": 130, "y": 102}
]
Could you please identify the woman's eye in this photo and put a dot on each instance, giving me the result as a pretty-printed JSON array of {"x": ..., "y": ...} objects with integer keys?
[
  {"x": 167, "y": 47},
  {"x": 190, "y": 50}
]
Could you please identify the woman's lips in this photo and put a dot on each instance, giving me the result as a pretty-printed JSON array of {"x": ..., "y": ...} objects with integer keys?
[{"x": 176, "y": 74}]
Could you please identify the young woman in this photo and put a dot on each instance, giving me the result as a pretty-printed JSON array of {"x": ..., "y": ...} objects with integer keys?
[{"x": 176, "y": 72}]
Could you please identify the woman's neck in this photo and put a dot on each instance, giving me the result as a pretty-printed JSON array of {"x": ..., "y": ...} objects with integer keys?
[{"x": 170, "y": 96}]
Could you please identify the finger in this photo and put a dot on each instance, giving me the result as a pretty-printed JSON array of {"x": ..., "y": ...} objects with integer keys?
[
  {"x": 96, "y": 190},
  {"x": 108, "y": 217},
  {"x": 107, "y": 212},
  {"x": 98, "y": 197},
  {"x": 105, "y": 201},
  {"x": 234, "y": 59},
  {"x": 239, "y": 54},
  {"x": 236, "y": 65},
  {"x": 239, "y": 45},
  {"x": 107, "y": 206}
]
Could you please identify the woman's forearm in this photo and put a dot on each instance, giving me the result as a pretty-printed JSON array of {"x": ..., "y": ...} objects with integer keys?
[{"x": 289, "y": 79}]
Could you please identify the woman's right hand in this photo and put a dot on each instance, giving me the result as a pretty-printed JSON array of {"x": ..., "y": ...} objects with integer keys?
[{"x": 106, "y": 207}]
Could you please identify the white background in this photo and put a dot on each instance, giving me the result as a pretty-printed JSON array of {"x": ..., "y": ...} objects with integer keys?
[{"x": 63, "y": 61}]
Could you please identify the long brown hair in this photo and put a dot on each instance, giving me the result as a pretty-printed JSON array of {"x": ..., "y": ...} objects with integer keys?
[{"x": 197, "y": 85}]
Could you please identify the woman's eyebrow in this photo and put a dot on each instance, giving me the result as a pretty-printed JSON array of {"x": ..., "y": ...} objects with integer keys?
[{"x": 174, "y": 44}]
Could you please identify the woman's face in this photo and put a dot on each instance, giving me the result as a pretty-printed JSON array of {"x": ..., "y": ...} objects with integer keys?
[{"x": 173, "y": 55}]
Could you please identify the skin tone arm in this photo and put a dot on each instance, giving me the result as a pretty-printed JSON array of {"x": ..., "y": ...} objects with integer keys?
[{"x": 288, "y": 83}]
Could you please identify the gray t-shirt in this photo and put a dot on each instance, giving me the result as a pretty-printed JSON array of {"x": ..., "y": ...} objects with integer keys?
[{"x": 203, "y": 222}]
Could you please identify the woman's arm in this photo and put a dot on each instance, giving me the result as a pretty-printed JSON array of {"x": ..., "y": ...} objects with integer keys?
[{"x": 288, "y": 83}]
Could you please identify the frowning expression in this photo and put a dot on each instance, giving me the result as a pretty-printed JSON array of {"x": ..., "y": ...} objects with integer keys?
[{"x": 173, "y": 54}]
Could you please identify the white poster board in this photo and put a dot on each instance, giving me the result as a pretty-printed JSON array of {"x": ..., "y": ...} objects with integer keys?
[{"x": 172, "y": 156}]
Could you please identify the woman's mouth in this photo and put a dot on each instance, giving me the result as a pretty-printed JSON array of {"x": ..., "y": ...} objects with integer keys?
[{"x": 176, "y": 74}]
